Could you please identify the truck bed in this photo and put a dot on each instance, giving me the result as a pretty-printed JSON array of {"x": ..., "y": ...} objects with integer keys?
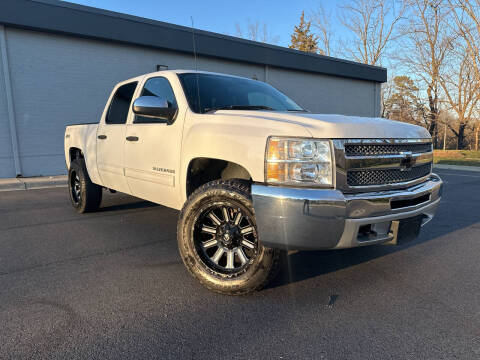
[
  {"x": 84, "y": 138},
  {"x": 79, "y": 124}
]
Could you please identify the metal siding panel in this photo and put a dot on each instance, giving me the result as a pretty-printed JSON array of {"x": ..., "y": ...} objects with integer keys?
[
  {"x": 378, "y": 100},
  {"x": 7, "y": 167},
  {"x": 325, "y": 94},
  {"x": 59, "y": 80},
  {"x": 231, "y": 67}
]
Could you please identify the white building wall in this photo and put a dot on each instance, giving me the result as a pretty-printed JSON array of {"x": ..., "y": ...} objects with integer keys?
[
  {"x": 326, "y": 94},
  {"x": 59, "y": 80},
  {"x": 7, "y": 167}
]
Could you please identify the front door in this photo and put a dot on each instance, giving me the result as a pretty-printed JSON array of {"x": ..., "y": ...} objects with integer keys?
[
  {"x": 152, "y": 150},
  {"x": 111, "y": 139}
]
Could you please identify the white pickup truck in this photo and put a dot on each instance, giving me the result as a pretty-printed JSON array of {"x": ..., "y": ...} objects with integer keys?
[{"x": 252, "y": 172}]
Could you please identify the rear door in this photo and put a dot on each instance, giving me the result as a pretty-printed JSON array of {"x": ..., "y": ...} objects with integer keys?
[
  {"x": 152, "y": 150},
  {"x": 111, "y": 139}
]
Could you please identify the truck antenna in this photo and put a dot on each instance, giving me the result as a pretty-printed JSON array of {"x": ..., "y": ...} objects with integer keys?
[
  {"x": 194, "y": 44},
  {"x": 196, "y": 67}
]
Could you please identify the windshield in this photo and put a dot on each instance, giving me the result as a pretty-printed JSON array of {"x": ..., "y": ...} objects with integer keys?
[{"x": 215, "y": 92}]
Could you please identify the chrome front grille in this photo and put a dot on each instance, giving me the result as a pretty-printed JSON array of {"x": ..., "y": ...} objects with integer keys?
[
  {"x": 386, "y": 176},
  {"x": 385, "y": 149},
  {"x": 378, "y": 164}
]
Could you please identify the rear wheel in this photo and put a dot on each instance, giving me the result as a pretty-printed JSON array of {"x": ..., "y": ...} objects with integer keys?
[
  {"x": 218, "y": 241},
  {"x": 85, "y": 195}
]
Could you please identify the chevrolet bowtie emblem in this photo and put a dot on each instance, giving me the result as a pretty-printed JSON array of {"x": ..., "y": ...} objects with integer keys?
[{"x": 407, "y": 162}]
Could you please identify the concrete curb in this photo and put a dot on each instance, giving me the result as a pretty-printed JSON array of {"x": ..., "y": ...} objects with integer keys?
[
  {"x": 11, "y": 184},
  {"x": 33, "y": 183},
  {"x": 456, "y": 167}
]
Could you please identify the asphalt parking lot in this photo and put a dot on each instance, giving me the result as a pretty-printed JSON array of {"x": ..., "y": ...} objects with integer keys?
[{"x": 111, "y": 285}]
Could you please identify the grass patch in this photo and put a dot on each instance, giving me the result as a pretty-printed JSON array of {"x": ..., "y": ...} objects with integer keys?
[{"x": 457, "y": 157}]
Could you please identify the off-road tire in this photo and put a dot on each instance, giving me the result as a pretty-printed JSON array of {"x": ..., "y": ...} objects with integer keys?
[
  {"x": 259, "y": 270},
  {"x": 90, "y": 193}
]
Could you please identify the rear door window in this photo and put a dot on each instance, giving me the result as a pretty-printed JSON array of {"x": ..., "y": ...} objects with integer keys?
[{"x": 120, "y": 105}]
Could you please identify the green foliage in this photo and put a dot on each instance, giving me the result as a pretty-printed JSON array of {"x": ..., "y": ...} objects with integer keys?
[
  {"x": 404, "y": 103},
  {"x": 302, "y": 38},
  {"x": 405, "y": 90}
]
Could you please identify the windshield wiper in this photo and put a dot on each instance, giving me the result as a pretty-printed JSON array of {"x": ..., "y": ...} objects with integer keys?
[{"x": 240, "y": 107}]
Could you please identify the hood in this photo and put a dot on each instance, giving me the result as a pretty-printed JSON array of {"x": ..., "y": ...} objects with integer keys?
[{"x": 335, "y": 126}]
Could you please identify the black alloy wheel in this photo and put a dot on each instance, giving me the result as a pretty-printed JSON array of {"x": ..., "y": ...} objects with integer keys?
[
  {"x": 75, "y": 188},
  {"x": 225, "y": 239},
  {"x": 85, "y": 195}
]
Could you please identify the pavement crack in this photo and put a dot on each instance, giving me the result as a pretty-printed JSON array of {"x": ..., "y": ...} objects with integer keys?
[{"x": 332, "y": 300}]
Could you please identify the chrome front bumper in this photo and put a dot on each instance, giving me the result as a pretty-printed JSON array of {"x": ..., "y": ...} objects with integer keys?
[{"x": 314, "y": 219}]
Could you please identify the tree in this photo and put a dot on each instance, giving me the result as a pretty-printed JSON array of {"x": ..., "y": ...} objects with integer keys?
[
  {"x": 462, "y": 92},
  {"x": 467, "y": 18},
  {"x": 386, "y": 93},
  {"x": 428, "y": 40},
  {"x": 321, "y": 21},
  {"x": 373, "y": 26},
  {"x": 477, "y": 135},
  {"x": 403, "y": 102},
  {"x": 256, "y": 31},
  {"x": 302, "y": 38}
]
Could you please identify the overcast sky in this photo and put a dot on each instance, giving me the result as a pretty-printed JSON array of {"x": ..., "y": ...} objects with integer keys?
[{"x": 218, "y": 15}]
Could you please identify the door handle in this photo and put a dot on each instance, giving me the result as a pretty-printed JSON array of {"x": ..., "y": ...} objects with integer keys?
[
  {"x": 132, "y": 138},
  {"x": 102, "y": 137}
]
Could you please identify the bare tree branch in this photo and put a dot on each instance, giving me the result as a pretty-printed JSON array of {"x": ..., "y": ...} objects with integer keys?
[
  {"x": 373, "y": 24},
  {"x": 462, "y": 87},
  {"x": 427, "y": 41},
  {"x": 256, "y": 31},
  {"x": 321, "y": 21}
]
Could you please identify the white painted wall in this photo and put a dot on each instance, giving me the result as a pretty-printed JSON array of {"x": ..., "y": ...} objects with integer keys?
[
  {"x": 326, "y": 94},
  {"x": 59, "y": 80},
  {"x": 7, "y": 167}
]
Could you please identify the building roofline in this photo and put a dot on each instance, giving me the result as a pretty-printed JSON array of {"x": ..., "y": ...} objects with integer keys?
[{"x": 88, "y": 22}]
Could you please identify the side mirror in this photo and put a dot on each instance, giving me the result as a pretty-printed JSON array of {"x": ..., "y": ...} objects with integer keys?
[{"x": 155, "y": 107}]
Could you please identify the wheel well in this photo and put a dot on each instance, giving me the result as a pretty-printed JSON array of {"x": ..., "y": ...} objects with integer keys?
[
  {"x": 203, "y": 170},
  {"x": 75, "y": 153}
]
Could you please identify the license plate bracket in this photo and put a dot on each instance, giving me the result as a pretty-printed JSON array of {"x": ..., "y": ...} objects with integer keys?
[{"x": 405, "y": 230}]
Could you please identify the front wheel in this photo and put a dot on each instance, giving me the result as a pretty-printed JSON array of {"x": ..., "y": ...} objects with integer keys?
[
  {"x": 85, "y": 195},
  {"x": 218, "y": 242}
]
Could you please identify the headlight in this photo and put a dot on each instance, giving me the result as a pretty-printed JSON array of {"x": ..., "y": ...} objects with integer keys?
[{"x": 298, "y": 162}]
